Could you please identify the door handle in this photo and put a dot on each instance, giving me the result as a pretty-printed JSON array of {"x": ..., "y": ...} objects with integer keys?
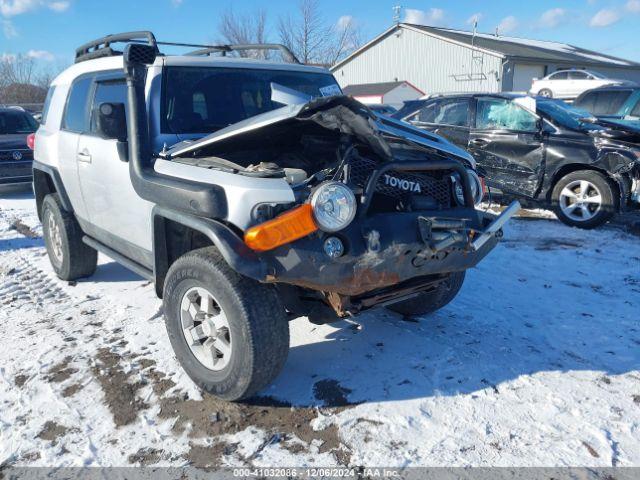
[
  {"x": 84, "y": 156},
  {"x": 479, "y": 142}
]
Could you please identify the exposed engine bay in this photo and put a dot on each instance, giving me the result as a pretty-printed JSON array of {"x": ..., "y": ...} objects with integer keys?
[{"x": 334, "y": 138}]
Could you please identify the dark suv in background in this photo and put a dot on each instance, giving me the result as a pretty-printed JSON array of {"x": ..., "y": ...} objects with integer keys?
[
  {"x": 540, "y": 149},
  {"x": 15, "y": 156},
  {"x": 612, "y": 103}
]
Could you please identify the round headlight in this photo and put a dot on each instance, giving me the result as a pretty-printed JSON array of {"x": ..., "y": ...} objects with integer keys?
[
  {"x": 334, "y": 206},
  {"x": 476, "y": 188}
]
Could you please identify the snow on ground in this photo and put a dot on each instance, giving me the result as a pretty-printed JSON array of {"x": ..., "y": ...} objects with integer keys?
[{"x": 537, "y": 362}]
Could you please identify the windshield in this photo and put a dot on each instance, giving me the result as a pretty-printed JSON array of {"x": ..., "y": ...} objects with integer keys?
[
  {"x": 15, "y": 123},
  {"x": 565, "y": 115},
  {"x": 206, "y": 99}
]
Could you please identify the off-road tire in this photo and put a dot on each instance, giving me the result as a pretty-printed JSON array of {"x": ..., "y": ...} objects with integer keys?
[
  {"x": 429, "y": 302},
  {"x": 78, "y": 259},
  {"x": 545, "y": 92},
  {"x": 259, "y": 329},
  {"x": 607, "y": 190}
]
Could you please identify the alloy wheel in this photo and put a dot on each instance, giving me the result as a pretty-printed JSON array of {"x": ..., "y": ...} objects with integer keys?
[
  {"x": 55, "y": 238},
  {"x": 580, "y": 200},
  {"x": 206, "y": 328}
]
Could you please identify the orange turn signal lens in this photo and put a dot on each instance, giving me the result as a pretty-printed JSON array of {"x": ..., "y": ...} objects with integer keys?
[{"x": 286, "y": 228}]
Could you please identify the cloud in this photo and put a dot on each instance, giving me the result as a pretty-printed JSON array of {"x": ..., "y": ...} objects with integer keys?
[
  {"x": 176, "y": 3},
  {"x": 59, "y": 6},
  {"x": 434, "y": 16},
  {"x": 7, "y": 57},
  {"x": 41, "y": 55},
  {"x": 344, "y": 21},
  {"x": 476, "y": 17},
  {"x": 552, "y": 18},
  {"x": 11, "y": 8},
  {"x": 508, "y": 24},
  {"x": 604, "y": 18},
  {"x": 633, "y": 6},
  {"x": 8, "y": 29}
]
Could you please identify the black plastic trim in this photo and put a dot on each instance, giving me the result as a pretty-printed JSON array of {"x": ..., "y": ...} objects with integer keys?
[
  {"x": 57, "y": 183},
  {"x": 121, "y": 259},
  {"x": 233, "y": 249}
]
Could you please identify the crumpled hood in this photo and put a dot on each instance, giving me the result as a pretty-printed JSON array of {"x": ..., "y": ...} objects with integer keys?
[
  {"x": 623, "y": 130},
  {"x": 334, "y": 113}
]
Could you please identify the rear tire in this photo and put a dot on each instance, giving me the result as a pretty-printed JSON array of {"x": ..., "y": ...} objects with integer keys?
[
  {"x": 70, "y": 257},
  {"x": 545, "y": 92},
  {"x": 429, "y": 302},
  {"x": 229, "y": 333},
  {"x": 584, "y": 199}
]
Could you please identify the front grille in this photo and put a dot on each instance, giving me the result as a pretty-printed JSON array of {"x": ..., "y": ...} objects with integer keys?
[
  {"x": 8, "y": 155},
  {"x": 434, "y": 185}
]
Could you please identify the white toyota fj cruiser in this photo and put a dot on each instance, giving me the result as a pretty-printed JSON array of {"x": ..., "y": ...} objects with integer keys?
[{"x": 249, "y": 192}]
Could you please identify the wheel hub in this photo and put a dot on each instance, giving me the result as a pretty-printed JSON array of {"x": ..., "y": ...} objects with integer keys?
[
  {"x": 580, "y": 200},
  {"x": 206, "y": 328},
  {"x": 55, "y": 238}
]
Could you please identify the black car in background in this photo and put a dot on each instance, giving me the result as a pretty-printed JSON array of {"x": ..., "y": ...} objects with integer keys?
[
  {"x": 540, "y": 149},
  {"x": 15, "y": 156}
]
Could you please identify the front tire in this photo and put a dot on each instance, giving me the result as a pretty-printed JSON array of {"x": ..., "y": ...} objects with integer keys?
[
  {"x": 229, "y": 333},
  {"x": 70, "y": 257},
  {"x": 429, "y": 302},
  {"x": 584, "y": 199}
]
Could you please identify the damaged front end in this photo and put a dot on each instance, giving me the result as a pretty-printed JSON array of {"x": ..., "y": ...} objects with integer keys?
[{"x": 377, "y": 212}]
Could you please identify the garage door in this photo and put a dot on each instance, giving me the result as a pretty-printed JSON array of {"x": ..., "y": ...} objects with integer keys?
[{"x": 524, "y": 74}]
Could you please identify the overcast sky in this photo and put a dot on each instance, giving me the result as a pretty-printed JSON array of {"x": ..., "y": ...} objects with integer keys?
[{"x": 51, "y": 29}]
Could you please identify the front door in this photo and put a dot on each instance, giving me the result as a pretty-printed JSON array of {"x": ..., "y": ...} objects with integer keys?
[
  {"x": 119, "y": 218},
  {"x": 448, "y": 117},
  {"x": 508, "y": 146}
]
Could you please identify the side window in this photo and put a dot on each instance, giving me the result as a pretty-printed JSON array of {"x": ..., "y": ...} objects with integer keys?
[
  {"x": 47, "y": 104},
  {"x": 577, "y": 75},
  {"x": 453, "y": 112},
  {"x": 113, "y": 91},
  {"x": 501, "y": 114},
  {"x": 608, "y": 103},
  {"x": 636, "y": 110},
  {"x": 427, "y": 114},
  {"x": 559, "y": 76},
  {"x": 587, "y": 102},
  {"x": 76, "y": 113}
]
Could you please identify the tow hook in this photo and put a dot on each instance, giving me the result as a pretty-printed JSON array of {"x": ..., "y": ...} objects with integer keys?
[{"x": 495, "y": 228}]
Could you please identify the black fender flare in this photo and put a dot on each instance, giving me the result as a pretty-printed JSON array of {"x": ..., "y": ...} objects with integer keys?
[
  {"x": 232, "y": 248},
  {"x": 54, "y": 175}
]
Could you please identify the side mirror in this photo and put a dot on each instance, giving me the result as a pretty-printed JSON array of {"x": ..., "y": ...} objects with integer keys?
[{"x": 111, "y": 121}]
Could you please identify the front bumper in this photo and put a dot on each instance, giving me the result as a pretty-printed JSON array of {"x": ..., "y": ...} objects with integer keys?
[{"x": 389, "y": 250}]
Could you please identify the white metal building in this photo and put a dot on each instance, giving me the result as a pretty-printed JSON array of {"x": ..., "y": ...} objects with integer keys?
[
  {"x": 438, "y": 60},
  {"x": 389, "y": 93}
]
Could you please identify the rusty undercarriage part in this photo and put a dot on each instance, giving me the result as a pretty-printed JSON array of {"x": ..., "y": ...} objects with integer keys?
[{"x": 346, "y": 305}]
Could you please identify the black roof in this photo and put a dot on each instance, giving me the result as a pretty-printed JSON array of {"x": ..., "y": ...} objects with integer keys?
[
  {"x": 533, "y": 49},
  {"x": 365, "y": 89}
]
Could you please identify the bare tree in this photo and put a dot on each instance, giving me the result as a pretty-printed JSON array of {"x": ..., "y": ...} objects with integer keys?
[
  {"x": 22, "y": 82},
  {"x": 243, "y": 29},
  {"x": 315, "y": 40}
]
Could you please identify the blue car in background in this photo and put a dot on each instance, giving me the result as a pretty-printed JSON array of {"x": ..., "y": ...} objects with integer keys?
[{"x": 620, "y": 104}]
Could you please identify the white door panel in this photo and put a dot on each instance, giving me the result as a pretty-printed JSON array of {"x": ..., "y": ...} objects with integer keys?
[
  {"x": 68, "y": 169},
  {"x": 112, "y": 203}
]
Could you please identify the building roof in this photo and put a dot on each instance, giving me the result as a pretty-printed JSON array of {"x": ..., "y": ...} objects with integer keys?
[
  {"x": 512, "y": 47},
  {"x": 375, "y": 89}
]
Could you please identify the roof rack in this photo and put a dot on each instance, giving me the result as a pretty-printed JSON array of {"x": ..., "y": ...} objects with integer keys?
[{"x": 102, "y": 47}]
